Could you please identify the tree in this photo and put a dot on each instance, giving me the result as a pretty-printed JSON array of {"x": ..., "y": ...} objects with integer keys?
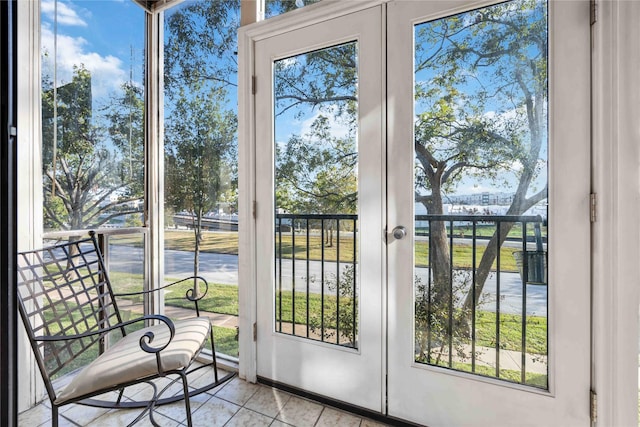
[
  {"x": 80, "y": 183},
  {"x": 490, "y": 60},
  {"x": 317, "y": 172},
  {"x": 200, "y": 143},
  {"x": 200, "y": 133}
]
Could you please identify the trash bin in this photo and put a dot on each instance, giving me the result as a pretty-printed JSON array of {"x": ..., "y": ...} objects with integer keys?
[{"x": 536, "y": 273}]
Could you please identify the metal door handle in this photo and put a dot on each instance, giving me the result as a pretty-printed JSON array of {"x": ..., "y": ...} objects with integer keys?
[{"x": 399, "y": 232}]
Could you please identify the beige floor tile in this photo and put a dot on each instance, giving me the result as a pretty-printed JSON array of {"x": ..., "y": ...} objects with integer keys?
[
  {"x": 118, "y": 417},
  {"x": 248, "y": 418},
  {"x": 332, "y": 417},
  {"x": 278, "y": 423},
  {"x": 268, "y": 401},
  {"x": 261, "y": 405},
  {"x": 205, "y": 377},
  {"x": 160, "y": 419},
  {"x": 83, "y": 415},
  {"x": 177, "y": 410},
  {"x": 300, "y": 412},
  {"x": 35, "y": 416},
  {"x": 144, "y": 391},
  {"x": 214, "y": 412},
  {"x": 237, "y": 391}
]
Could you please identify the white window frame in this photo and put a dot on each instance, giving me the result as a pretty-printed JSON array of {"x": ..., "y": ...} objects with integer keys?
[{"x": 29, "y": 176}]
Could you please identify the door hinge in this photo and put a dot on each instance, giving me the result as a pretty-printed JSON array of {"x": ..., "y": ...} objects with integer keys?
[
  {"x": 593, "y": 404},
  {"x": 254, "y": 209},
  {"x": 593, "y": 207},
  {"x": 253, "y": 85},
  {"x": 594, "y": 11},
  {"x": 255, "y": 331}
]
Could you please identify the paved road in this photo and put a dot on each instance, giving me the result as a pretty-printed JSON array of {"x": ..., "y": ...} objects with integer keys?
[{"x": 223, "y": 268}]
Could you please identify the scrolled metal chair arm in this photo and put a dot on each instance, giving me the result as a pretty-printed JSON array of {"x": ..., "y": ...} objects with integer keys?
[{"x": 148, "y": 337}]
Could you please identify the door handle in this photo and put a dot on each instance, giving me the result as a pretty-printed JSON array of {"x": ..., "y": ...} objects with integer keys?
[{"x": 399, "y": 232}]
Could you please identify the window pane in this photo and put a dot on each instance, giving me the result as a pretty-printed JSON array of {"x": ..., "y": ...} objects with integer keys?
[
  {"x": 481, "y": 192},
  {"x": 92, "y": 114},
  {"x": 200, "y": 146},
  {"x": 316, "y": 195}
]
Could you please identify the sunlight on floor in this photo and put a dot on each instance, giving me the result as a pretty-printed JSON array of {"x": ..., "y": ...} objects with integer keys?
[{"x": 236, "y": 403}]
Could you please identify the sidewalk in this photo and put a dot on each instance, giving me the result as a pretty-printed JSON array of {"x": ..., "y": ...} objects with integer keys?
[{"x": 217, "y": 319}]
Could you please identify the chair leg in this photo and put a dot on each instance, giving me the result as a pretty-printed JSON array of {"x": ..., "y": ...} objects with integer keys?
[
  {"x": 213, "y": 355},
  {"x": 54, "y": 415},
  {"x": 187, "y": 403}
]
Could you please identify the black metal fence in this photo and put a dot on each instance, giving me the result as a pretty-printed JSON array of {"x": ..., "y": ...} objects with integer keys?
[
  {"x": 475, "y": 312},
  {"x": 317, "y": 298},
  {"x": 463, "y": 325}
]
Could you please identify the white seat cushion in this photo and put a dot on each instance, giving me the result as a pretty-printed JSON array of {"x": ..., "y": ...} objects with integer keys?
[{"x": 126, "y": 361}]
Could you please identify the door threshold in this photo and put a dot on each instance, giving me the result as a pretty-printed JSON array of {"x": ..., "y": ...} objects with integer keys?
[{"x": 338, "y": 404}]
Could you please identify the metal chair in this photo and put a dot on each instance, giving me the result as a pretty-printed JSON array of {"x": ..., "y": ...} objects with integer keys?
[{"x": 69, "y": 310}]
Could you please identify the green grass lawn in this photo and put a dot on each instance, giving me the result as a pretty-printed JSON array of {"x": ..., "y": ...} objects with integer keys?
[
  {"x": 531, "y": 378},
  {"x": 224, "y": 299},
  {"x": 227, "y": 243}
]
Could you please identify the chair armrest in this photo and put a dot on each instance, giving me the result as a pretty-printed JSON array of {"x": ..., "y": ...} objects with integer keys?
[{"x": 145, "y": 339}]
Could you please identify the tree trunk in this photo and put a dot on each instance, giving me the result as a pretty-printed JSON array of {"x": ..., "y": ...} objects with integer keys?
[
  {"x": 197, "y": 230},
  {"x": 439, "y": 250}
]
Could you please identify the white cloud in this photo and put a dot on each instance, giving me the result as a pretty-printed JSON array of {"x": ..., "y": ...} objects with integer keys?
[
  {"x": 107, "y": 73},
  {"x": 65, "y": 15}
]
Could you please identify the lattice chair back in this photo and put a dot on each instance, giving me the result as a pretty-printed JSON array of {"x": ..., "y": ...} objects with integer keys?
[{"x": 65, "y": 291}]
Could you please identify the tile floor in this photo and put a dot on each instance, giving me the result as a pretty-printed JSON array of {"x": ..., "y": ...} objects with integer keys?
[{"x": 236, "y": 403}]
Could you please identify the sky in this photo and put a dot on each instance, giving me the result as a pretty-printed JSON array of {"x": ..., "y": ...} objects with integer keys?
[
  {"x": 107, "y": 37},
  {"x": 497, "y": 108},
  {"x": 103, "y": 35}
]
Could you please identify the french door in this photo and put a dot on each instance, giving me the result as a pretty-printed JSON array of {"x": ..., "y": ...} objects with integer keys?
[
  {"x": 320, "y": 163},
  {"x": 489, "y": 69},
  {"x": 423, "y": 234}
]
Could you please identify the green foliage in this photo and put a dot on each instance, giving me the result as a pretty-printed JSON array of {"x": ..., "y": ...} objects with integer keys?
[
  {"x": 92, "y": 164},
  {"x": 220, "y": 298},
  {"x": 340, "y": 310},
  {"x": 201, "y": 122},
  {"x": 200, "y": 142},
  {"x": 317, "y": 172},
  {"x": 444, "y": 321},
  {"x": 481, "y": 109}
]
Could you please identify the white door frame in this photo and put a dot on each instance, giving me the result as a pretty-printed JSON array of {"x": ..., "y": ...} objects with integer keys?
[{"x": 616, "y": 231}]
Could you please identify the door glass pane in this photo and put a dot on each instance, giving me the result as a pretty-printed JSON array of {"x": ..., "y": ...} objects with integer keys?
[
  {"x": 481, "y": 192},
  {"x": 200, "y": 162},
  {"x": 316, "y": 195}
]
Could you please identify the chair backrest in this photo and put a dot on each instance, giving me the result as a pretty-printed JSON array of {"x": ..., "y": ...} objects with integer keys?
[{"x": 64, "y": 290}]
